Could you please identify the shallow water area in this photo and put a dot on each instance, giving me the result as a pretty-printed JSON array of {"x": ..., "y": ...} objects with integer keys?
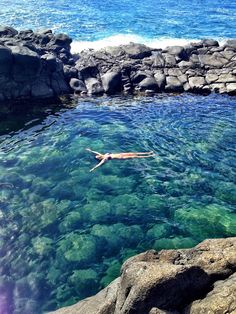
[{"x": 64, "y": 232}]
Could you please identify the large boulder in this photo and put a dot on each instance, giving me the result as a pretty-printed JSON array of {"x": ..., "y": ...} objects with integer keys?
[
  {"x": 7, "y": 31},
  {"x": 160, "y": 79},
  {"x": 177, "y": 51},
  {"x": 137, "y": 51},
  {"x": 197, "y": 82},
  {"x": 211, "y": 61},
  {"x": 173, "y": 84},
  {"x": 26, "y": 63},
  {"x": 94, "y": 86},
  {"x": 148, "y": 83},
  {"x": 111, "y": 82},
  {"x": 198, "y": 280},
  {"x": 77, "y": 85}
]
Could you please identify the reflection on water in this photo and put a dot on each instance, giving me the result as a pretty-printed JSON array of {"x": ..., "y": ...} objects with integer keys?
[{"x": 64, "y": 232}]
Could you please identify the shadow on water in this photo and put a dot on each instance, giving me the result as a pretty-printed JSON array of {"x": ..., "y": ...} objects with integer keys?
[{"x": 18, "y": 115}]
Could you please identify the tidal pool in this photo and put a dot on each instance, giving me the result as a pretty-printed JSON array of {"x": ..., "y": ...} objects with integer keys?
[{"x": 64, "y": 232}]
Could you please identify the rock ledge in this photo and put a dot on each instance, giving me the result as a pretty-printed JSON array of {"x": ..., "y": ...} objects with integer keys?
[{"x": 196, "y": 281}]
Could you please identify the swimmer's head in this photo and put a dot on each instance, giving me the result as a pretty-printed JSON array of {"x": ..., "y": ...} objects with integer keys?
[{"x": 99, "y": 157}]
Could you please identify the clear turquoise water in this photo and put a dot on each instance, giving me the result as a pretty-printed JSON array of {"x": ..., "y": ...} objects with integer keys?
[
  {"x": 64, "y": 231},
  {"x": 92, "y": 20}
]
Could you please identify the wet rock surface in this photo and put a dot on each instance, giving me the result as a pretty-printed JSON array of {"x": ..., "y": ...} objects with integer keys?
[
  {"x": 197, "y": 280},
  {"x": 40, "y": 65}
]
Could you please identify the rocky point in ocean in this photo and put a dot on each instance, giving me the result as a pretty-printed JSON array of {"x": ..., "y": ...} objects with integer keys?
[
  {"x": 194, "y": 281},
  {"x": 40, "y": 65}
]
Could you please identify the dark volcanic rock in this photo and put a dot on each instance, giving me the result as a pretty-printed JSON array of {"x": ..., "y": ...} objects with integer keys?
[
  {"x": 6, "y": 60},
  {"x": 6, "y": 31},
  {"x": 27, "y": 63},
  {"x": 148, "y": 83},
  {"x": 137, "y": 51},
  {"x": 173, "y": 84},
  {"x": 94, "y": 86},
  {"x": 31, "y": 64},
  {"x": 40, "y": 65},
  {"x": 112, "y": 82},
  {"x": 77, "y": 85},
  {"x": 197, "y": 280}
]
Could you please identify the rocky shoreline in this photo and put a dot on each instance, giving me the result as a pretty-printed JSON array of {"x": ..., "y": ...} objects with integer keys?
[
  {"x": 40, "y": 65},
  {"x": 195, "y": 281}
]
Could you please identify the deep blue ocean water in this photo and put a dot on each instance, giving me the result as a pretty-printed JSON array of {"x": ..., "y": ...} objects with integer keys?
[
  {"x": 116, "y": 21},
  {"x": 64, "y": 232}
]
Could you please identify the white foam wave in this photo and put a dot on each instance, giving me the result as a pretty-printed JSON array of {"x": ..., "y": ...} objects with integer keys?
[{"x": 123, "y": 39}]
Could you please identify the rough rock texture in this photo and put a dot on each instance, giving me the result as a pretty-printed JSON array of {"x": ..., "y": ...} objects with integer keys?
[
  {"x": 40, "y": 65},
  {"x": 201, "y": 67},
  {"x": 198, "y": 280},
  {"x": 32, "y": 64}
]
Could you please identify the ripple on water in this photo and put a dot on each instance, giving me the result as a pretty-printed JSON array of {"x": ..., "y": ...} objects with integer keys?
[{"x": 64, "y": 232}]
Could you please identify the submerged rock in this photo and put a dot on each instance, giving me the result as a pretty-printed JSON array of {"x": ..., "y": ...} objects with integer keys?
[{"x": 197, "y": 280}]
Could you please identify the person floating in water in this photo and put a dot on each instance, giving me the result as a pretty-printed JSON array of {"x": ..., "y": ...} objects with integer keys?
[{"x": 109, "y": 156}]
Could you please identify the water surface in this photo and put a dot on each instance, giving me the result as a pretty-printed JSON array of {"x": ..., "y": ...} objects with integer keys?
[
  {"x": 64, "y": 231},
  {"x": 90, "y": 20}
]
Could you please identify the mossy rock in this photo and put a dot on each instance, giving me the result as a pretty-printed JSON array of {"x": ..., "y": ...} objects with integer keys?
[
  {"x": 174, "y": 243},
  {"x": 54, "y": 275},
  {"x": 81, "y": 249},
  {"x": 63, "y": 293},
  {"x": 84, "y": 280},
  {"x": 99, "y": 212},
  {"x": 109, "y": 235},
  {"x": 210, "y": 221},
  {"x": 159, "y": 231},
  {"x": 93, "y": 194},
  {"x": 112, "y": 272},
  {"x": 127, "y": 204},
  {"x": 42, "y": 245},
  {"x": 113, "y": 185},
  {"x": 63, "y": 190},
  {"x": 70, "y": 222},
  {"x": 126, "y": 253},
  {"x": 132, "y": 235}
]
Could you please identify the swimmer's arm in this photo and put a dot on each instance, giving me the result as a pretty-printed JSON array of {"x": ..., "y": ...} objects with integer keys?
[
  {"x": 92, "y": 151},
  {"x": 98, "y": 165}
]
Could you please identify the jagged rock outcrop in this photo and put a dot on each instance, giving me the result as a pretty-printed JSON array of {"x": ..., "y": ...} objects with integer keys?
[
  {"x": 32, "y": 64},
  {"x": 198, "y": 280},
  {"x": 40, "y": 65},
  {"x": 202, "y": 67}
]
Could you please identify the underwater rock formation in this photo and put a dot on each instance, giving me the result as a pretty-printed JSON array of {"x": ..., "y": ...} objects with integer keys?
[
  {"x": 40, "y": 65},
  {"x": 197, "y": 280}
]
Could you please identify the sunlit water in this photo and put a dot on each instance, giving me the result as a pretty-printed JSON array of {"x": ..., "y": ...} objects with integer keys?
[
  {"x": 112, "y": 21},
  {"x": 64, "y": 231}
]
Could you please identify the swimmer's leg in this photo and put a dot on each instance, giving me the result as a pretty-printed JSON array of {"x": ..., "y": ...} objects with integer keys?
[{"x": 144, "y": 156}]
